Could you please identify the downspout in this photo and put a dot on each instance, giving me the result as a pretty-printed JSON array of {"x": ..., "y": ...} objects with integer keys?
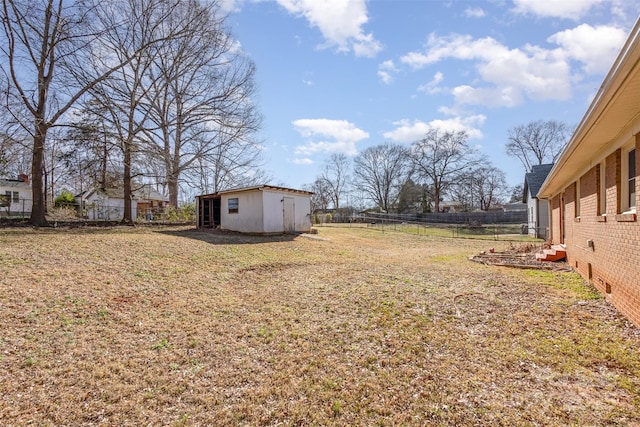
[{"x": 536, "y": 221}]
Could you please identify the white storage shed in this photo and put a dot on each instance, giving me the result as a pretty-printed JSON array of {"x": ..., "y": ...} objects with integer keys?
[{"x": 263, "y": 209}]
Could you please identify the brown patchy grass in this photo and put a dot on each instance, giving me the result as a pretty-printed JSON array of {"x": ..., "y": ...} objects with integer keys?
[{"x": 177, "y": 327}]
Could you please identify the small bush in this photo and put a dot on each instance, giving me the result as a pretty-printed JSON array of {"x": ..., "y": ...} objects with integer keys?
[
  {"x": 184, "y": 213},
  {"x": 65, "y": 199}
]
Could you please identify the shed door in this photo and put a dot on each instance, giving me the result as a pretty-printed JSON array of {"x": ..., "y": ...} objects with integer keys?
[
  {"x": 215, "y": 204},
  {"x": 288, "y": 214}
]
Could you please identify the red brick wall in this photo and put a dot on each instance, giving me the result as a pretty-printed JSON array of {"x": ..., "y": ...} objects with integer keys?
[
  {"x": 604, "y": 249},
  {"x": 554, "y": 220},
  {"x": 613, "y": 173}
]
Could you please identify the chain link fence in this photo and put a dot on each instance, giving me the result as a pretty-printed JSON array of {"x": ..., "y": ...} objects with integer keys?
[
  {"x": 495, "y": 231},
  {"x": 12, "y": 207},
  {"x": 99, "y": 212}
]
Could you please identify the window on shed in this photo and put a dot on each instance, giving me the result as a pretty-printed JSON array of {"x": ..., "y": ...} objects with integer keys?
[
  {"x": 16, "y": 196},
  {"x": 233, "y": 205}
]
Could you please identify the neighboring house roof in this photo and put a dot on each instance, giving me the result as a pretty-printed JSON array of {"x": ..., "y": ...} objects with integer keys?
[
  {"x": 534, "y": 179},
  {"x": 257, "y": 187},
  {"x": 612, "y": 109},
  {"x": 144, "y": 193},
  {"x": 147, "y": 192},
  {"x": 14, "y": 183},
  {"x": 111, "y": 193}
]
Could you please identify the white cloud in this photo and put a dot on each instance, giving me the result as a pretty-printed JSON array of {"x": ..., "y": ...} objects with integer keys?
[
  {"x": 570, "y": 9},
  {"x": 303, "y": 161},
  {"x": 474, "y": 12},
  {"x": 596, "y": 47},
  {"x": 328, "y": 136},
  {"x": 408, "y": 131},
  {"x": 386, "y": 71},
  {"x": 454, "y": 46},
  {"x": 228, "y": 6},
  {"x": 339, "y": 21},
  {"x": 432, "y": 87},
  {"x": 489, "y": 96},
  {"x": 510, "y": 73}
]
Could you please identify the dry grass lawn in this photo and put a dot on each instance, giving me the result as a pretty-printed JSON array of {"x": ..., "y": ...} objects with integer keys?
[{"x": 176, "y": 327}]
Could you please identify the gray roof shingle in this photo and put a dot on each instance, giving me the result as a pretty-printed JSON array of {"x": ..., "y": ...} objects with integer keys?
[{"x": 534, "y": 179}]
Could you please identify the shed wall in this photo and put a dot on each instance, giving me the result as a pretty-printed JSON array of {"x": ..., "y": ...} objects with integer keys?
[
  {"x": 274, "y": 214},
  {"x": 249, "y": 218}
]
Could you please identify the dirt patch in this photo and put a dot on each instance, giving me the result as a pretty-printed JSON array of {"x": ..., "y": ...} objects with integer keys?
[{"x": 520, "y": 256}]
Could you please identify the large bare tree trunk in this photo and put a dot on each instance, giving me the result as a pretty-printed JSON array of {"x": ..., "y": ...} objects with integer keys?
[
  {"x": 38, "y": 211},
  {"x": 172, "y": 184},
  {"x": 127, "y": 217}
]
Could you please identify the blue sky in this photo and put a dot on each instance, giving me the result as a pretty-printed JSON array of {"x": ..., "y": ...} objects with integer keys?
[{"x": 338, "y": 76}]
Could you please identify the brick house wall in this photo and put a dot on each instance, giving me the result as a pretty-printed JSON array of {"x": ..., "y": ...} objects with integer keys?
[
  {"x": 594, "y": 190},
  {"x": 603, "y": 246}
]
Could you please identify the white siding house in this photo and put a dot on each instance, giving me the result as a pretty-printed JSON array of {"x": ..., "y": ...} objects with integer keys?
[
  {"x": 107, "y": 204},
  {"x": 17, "y": 196},
  {"x": 261, "y": 209},
  {"x": 537, "y": 209}
]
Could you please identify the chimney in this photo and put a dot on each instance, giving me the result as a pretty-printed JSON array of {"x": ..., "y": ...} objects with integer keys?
[{"x": 24, "y": 178}]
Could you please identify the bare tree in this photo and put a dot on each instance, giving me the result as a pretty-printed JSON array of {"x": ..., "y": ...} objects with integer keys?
[
  {"x": 44, "y": 45},
  {"x": 321, "y": 194},
  {"x": 36, "y": 35},
  {"x": 482, "y": 187},
  {"x": 537, "y": 142},
  {"x": 15, "y": 155},
  {"x": 53, "y": 166},
  {"x": 380, "y": 172},
  {"x": 439, "y": 158},
  {"x": 335, "y": 174},
  {"x": 90, "y": 154},
  {"x": 231, "y": 163},
  {"x": 517, "y": 194},
  {"x": 126, "y": 95},
  {"x": 489, "y": 186},
  {"x": 201, "y": 111}
]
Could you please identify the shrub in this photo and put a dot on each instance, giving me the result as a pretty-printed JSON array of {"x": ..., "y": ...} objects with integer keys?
[
  {"x": 65, "y": 199},
  {"x": 185, "y": 213}
]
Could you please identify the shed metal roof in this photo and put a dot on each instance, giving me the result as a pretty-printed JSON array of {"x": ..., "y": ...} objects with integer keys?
[{"x": 254, "y": 188}]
